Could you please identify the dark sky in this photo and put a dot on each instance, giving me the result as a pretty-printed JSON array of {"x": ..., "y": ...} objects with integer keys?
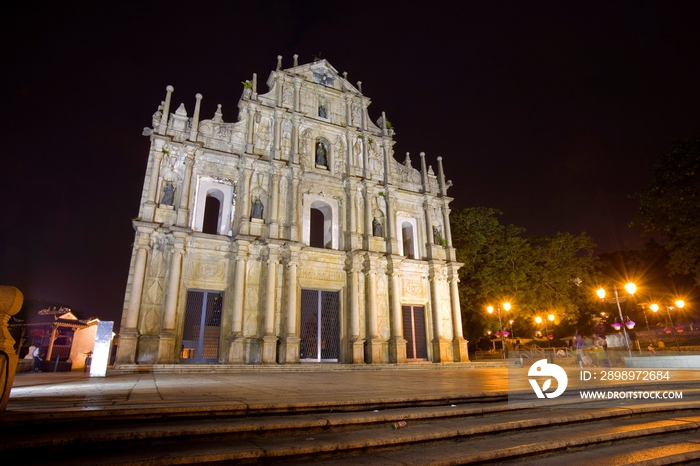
[{"x": 552, "y": 112}]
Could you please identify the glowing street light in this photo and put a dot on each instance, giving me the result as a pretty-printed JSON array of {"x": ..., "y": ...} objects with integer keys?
[
  {"x": 500, "y": 334},
  {"x": 539, "y": 320},
  {"x": 680, "y": 304},
  {"x": 631, "y": 288}
]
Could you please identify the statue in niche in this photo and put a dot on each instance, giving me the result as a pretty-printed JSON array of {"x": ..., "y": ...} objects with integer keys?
[
  {"x": 257, "y": 210},
  {"x": 322, "y": 112},
  {"x": 321, "y": 154},
  {"x": 168, "y": 194},
  {"x": 437, "y": 238},
  {"x": 376, "y": 227}
]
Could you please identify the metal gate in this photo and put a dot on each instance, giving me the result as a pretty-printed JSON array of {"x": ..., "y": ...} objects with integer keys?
[
  {"x": 414, "y": 332},
  {"x": 320, "y": 326},
  {"x": 200, "y": 334}
]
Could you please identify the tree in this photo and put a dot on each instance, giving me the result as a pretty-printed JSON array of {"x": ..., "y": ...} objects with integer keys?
[
  {"x": 536, "y": 274},
  {"x": 670, "y": 206}
]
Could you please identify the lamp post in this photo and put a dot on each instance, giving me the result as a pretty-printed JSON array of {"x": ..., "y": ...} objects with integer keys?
[
  {"x": 539, "y": 320},
  {"x": 506, "y": 307},
  {"x": 630, "y": 288},
  {"x": 679, "y": 304}
]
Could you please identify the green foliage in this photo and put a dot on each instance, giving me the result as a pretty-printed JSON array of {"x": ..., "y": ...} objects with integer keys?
[
  {"x": 247, "y": 84},
  {"x": 670, "y": 206},
  {"x": 388, "y": 124},
  {"x": 537, "y": 275}
]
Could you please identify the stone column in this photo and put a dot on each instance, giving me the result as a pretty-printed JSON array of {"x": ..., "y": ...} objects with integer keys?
[
  {"x": 245, "y": 200},
  {"x": 297, "y": 94},
  {"x": 11, "y": 300},
  {"x": 166, "y": 344},
  {"x": 149, "y": 208},
  {"x": 166, "y": 110},
  {"x": 367, "y": 220},
  {"x": 277, "y": 122},
  {"x": 290, "y": 346},
  {"x": 392, "y": 244},
  {"x": 128, "y": 337},
  {"x": 270, "y": 339},
  {"x": 459, "y": 344},
  {"x": 183, "y": 211},
  {"x": 440, "y": 345},
  {"x": 356, "y": 342},
  {"x": 236, "y": 348},
  {"x": 397, "y": 343},
  {"x": 195, "y": 118},
  {"x": 294, "y": 157},
  {"x": 295, "y": 213},
  {"x": 252, "y": 112},
  {"x": 273, "y": 230},
  {"x": 374, "y": 345}
]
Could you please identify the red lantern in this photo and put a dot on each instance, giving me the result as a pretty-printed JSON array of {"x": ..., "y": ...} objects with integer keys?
[
  {"x": 667, "y": 330},
  {"x": 551, "y": 337},
  {"x": 679, "y": 329},
  {"x": 616, "y": 326}
]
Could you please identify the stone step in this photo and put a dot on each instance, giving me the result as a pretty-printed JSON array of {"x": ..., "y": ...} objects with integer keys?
[{"x": 476, "y": 433}]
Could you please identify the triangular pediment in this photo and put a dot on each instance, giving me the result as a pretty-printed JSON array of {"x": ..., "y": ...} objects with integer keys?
[{"x": 322, "y": 72}]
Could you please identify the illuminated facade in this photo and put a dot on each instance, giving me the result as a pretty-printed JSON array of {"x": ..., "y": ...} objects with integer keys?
[{"x": 289, "y": 235}]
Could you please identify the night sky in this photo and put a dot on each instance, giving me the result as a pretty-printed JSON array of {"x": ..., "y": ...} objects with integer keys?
[{"x": 552, "y": 112}]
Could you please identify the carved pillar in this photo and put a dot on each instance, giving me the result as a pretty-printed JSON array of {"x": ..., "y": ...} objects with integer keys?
[
  {"x": 441, "y": 349},
  {"x": 166, "y": 110},
  {"x": 129, "y": 333},
  {"x": 295, "y": 213},
  {"x": 373, "y": 354},
  {"x": 195, "y": 118},
  {"x": 392, "y": 244},
  {"x": 277, "y": 122},
  {"x": 273, "y": 230},
  {"x": 367, "y": 215},
  {"x": 150, "y": 205},
  {"x": 459, "y": 344},
  {"x": 270, "y": 339},
  {"x": 295, "y": 140},
  {"x": 183, "y": 211},
  {"x": 356, "y": 342},
  {"x": 166, "y": 344},
  {"x": 236, "y": 339},
  {"x": 252, "y": 112},
  {"x": 397, "y": 344},
  {"x": 245, "y": 203},
  {"x": 297, "y": 95},
  {"x": 290, "y": 346}
]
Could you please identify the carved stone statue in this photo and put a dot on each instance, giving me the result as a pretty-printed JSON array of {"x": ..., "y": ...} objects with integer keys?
[
  {"x": 168, "y": 194},
  {"x": 257, "y": 210},
  {"x": 322, "y": 111},
  {"x": 376, "y": 228},
  {"x": 320, "y": 154},
  {"x": 437, "y": 239}
]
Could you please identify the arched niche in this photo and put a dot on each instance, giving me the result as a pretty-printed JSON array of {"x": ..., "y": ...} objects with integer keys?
[
  {"x": 408, "y": 237},
  {"x": 325, "y": 220},
  {"x": 221, "y": 192}
]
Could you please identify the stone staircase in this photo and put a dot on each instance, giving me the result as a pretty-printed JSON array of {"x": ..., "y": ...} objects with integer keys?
[{"x": 483, "y": 430}]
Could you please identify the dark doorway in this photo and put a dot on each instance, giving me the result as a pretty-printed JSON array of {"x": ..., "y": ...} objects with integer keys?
[
  {"x": 414, "y": 332},
  {"x": 316, "y": 239},
  {"x": 320, "y": 326},
  {"x": 200, "y": 334},
  {"x": 211, "y": 216}
]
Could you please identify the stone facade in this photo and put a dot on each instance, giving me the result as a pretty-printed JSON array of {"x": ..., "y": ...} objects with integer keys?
[{"x": 289, "y": 235}]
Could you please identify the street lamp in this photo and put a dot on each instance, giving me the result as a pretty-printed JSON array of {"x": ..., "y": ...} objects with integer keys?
[
  {"x": 680, "y": 304},
  {"x": 539, "y": 320},
  {"x": 506, "y": 307},
  {"x": 630, "y": 288}
]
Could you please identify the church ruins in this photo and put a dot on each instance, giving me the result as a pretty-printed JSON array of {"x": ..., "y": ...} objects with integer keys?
[{"x": 290, "y": 235}]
